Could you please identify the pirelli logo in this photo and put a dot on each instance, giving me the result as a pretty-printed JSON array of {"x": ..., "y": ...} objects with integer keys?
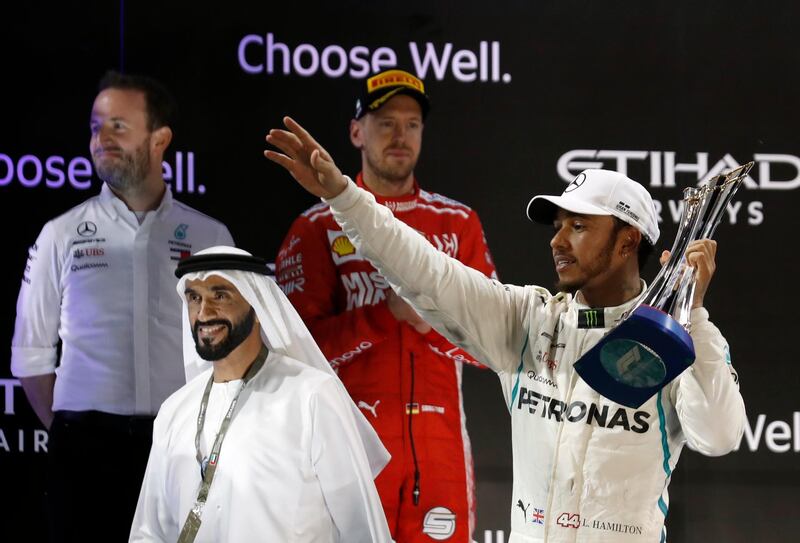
[{"x": 392, "y": 78}]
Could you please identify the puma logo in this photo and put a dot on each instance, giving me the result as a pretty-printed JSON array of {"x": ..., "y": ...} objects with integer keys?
[
  {"x": 371, "y": 408},
  {"x": 524, "y": 509}
]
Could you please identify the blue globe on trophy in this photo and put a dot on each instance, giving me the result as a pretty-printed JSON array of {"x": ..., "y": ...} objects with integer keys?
[{"x": 651, "y": 346}]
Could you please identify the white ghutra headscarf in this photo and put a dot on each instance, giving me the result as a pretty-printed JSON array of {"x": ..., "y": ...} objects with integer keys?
[{"x": 282, "y": 329}]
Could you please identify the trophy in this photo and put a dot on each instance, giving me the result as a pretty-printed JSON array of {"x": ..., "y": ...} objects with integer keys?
[{"x": 651, "y": 346}]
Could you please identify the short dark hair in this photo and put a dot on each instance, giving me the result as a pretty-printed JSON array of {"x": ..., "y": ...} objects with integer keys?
[
  {"x": 160, "y": 104},
  {"x": 645, "y": 248}
]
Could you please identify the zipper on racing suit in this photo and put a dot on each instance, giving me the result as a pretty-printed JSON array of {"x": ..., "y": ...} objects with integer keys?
[{"x": 416, "y": 491}]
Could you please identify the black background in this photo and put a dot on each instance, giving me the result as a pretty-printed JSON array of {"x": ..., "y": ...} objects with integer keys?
[{"x": 719, "y": 78}]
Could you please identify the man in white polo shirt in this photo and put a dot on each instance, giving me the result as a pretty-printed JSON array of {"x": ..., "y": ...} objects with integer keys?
[{"x": 100, "y": 281}]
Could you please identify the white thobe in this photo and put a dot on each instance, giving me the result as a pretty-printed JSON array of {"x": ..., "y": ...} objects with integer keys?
[{"x": 292, "y": 467}]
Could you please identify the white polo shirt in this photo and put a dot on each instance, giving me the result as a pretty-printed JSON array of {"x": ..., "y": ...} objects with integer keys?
[{"x": 105, "y": 286}]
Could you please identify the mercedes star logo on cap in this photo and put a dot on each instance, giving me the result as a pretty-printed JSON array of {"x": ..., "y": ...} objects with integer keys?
[{"x": 577, "y": 182}]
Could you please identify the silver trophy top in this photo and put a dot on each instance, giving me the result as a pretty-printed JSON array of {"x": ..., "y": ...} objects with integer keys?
[{"x": 672, "y": 291}]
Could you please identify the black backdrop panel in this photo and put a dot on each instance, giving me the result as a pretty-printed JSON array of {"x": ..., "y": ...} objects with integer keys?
[{"x": 524, "y": 95}]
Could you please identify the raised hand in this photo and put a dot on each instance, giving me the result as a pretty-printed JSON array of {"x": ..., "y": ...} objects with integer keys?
[{"x": 304, "y": 158}]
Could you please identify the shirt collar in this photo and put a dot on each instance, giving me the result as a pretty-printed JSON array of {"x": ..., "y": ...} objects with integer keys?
[
  {"x": 114, "y": 206},
  {"x": 398, "y": 204},
  {"x": 604, "y": 317}
]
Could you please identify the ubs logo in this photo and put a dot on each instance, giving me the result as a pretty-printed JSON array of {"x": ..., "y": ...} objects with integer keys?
[
  {"x": 94, "y": 251},
  {"x": 87, "y": 229},
  {"x": 576, "y": 183}
]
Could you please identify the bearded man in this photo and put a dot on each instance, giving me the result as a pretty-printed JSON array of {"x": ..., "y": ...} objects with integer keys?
[
  {"x": 264, "y": 445},
  {"x": 99, "y": 280}
]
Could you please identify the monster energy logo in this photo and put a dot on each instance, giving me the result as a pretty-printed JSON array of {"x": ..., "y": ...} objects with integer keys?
[{"x": 591, "y": 318}]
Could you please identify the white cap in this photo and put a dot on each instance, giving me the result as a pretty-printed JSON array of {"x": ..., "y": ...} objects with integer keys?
[{"x": 601, "y": 192}]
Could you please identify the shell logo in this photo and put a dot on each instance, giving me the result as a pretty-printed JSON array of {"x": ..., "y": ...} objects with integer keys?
[{"x": 342, "y": 246}]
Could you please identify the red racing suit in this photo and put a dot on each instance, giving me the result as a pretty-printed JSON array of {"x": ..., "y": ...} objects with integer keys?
[{"x": 408, "y": 384}]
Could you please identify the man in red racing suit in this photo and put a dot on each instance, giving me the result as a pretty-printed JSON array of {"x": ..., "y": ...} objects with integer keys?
[{"x": 401, "y": 373}]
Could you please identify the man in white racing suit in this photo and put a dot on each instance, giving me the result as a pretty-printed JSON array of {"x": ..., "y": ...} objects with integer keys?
[{"x": 585, "y": 469}]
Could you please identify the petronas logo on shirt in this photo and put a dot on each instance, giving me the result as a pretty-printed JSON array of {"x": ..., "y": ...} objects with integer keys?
[
  {"x": 180, "y": 231},
  {"x": 342, "y": 246}
]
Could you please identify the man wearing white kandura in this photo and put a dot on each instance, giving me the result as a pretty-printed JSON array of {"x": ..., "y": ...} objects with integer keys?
[{"x": 298, "y": 460}]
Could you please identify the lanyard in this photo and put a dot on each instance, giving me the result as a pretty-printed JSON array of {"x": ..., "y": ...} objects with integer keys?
[{"x": 208, "y": 466}]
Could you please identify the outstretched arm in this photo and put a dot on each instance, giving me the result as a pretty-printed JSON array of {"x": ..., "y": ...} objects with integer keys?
[{"x": 481, "y": 315}]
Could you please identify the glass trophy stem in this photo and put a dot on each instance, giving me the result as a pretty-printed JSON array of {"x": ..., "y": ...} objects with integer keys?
[
  {"x": 681, "y": 305},
  {"x": 651, "y": 345}
]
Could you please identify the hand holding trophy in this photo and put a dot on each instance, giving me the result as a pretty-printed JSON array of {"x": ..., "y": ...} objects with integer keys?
[{"x": 651, "y": 346}]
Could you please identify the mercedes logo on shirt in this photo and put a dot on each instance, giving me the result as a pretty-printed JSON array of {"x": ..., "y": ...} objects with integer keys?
[
  {"x": 577, "y": 182},
  {"x": 87, "y": 229}
]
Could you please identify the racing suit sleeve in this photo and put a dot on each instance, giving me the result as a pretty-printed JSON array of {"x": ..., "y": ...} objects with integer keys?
[
  {"x": 307, "y": 275},
  {"x": 439, "y": 345},
  {"x": 706, "y": 396},
  {"x": 474, "y": 252},
  {"x": 479, "y": 314},
  {"x": 35, "y": 341}
]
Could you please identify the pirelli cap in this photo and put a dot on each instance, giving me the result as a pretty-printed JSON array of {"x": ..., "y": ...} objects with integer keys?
[
  {"x": 601, "y": 192},
  {"x": 380, "y": 88}
]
